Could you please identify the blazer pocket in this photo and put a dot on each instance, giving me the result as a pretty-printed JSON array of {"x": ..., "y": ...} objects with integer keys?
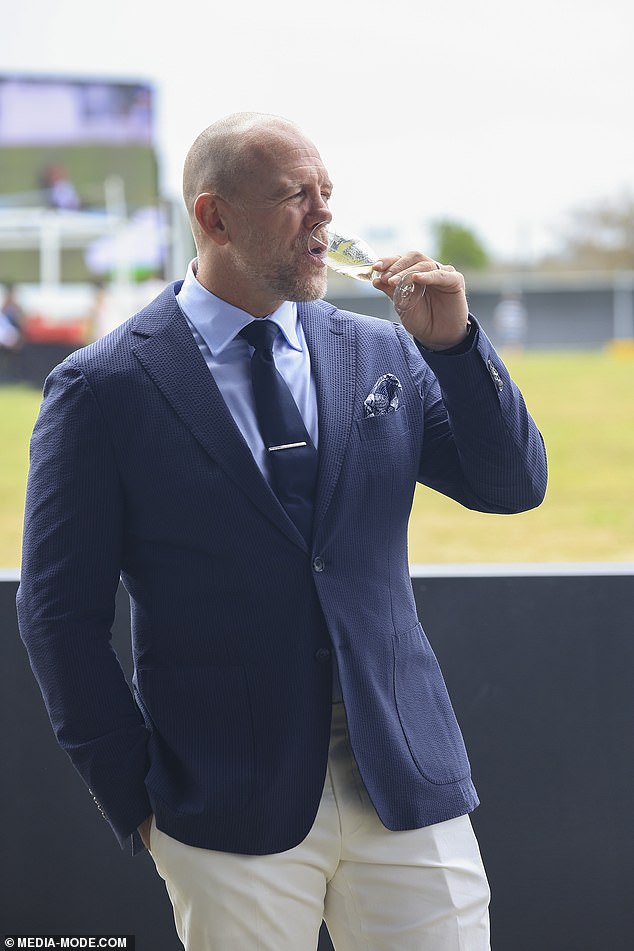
[
  {"x": 389, "y": 425},
  {"x": 425, "y": 712}
]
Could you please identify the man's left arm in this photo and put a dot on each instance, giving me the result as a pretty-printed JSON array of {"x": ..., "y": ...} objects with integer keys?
[{"x": 481, "y": 446}]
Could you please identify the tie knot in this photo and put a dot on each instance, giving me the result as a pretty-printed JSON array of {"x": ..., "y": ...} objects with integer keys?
[{"x": 261, "y": 334}]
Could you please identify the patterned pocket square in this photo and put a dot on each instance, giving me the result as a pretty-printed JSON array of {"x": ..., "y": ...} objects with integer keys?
[{"x": 384, "y": 397}]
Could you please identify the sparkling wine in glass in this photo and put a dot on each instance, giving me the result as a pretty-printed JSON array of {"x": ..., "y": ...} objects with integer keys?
[
  {"x": 352, "y": 257},
  {"x": 345, "y": 254}
]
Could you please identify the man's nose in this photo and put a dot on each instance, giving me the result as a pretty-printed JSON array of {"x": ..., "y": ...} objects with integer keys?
[{"x": 318, "y": 212}]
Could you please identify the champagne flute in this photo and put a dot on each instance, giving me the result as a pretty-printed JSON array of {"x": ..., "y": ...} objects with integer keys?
[{"x": 352, "y": 257}]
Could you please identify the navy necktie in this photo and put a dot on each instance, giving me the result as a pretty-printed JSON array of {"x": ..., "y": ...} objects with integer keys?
[{"x": 291, "y": 454}]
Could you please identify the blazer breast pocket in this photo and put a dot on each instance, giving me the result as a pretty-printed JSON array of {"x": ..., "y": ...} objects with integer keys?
[{"x": 384, "y": 427}]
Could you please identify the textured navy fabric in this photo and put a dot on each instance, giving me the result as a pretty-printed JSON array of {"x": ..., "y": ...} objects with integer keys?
[{"x": 138, "y": 468}]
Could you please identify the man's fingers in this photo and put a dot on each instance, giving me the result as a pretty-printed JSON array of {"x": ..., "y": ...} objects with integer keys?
[
  {"x": 431, "y": 274},
  {"x": 416, "y": 268}
]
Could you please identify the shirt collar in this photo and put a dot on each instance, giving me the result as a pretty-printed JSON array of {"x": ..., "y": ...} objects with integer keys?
[{"x": 219, "y": 322}]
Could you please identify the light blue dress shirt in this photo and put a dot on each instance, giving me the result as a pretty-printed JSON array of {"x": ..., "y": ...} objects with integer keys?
[{"x": 215, "y": 325}]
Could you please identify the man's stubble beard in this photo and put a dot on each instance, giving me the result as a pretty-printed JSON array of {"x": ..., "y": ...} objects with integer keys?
[
  {"x": 287, "y": 284},
  {"x": 285, "y": 280}
]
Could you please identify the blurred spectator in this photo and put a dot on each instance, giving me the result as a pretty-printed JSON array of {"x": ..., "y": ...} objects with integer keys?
[
  {"x": 11, "y": 335},
  {"x": 60, "y": 191},
  {"x": 510, "y": 322}
]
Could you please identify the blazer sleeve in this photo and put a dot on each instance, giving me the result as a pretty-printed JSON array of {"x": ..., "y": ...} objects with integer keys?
[
  {"x": 72, "y": 548},
  {"x": 481, "y": 447}
]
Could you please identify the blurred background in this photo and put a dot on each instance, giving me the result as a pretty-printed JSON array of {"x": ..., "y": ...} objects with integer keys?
[{"x": 495, "y": 138}]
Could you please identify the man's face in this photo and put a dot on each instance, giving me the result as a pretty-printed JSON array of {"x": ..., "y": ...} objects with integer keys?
[{"x": 284, "y": 195}]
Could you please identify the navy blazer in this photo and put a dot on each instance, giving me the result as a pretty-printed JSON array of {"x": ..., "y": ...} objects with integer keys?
[{"x": 138, "y": 471}]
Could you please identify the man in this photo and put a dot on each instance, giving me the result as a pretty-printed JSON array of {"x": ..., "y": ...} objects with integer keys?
[
  {"x": 12, "y": 319},
  {"x": 265, "y": 804}
]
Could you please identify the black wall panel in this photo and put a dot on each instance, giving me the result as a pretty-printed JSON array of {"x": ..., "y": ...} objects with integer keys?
[{"x": 541, "y": 672}]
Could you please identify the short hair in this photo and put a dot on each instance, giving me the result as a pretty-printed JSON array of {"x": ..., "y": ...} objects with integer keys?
[{"x": 219, "y": 158}]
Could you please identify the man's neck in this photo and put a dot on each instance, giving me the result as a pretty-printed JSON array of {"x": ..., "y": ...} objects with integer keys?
[{"x": 225, "y": 285}]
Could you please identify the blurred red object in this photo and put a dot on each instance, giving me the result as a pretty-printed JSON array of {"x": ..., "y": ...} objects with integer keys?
[{"x": 39, "y": 329}]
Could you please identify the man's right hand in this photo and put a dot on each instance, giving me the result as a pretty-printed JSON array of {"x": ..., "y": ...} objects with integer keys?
[{"x": 144, "y": 831}]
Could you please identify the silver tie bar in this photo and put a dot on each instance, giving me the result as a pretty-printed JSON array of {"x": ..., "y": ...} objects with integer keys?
[{"x": 288, "y": 445}]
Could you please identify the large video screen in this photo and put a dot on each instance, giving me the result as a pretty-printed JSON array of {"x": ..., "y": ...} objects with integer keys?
[
  {"x": 83, "y": 148},
  {"x": 53, "y": 112}
]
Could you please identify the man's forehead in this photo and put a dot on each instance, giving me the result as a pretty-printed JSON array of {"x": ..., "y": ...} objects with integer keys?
[
  {"x": 301, "y": 168},
  {"x": 285, "y": 163},
  {"x": 287, "y": 152}
]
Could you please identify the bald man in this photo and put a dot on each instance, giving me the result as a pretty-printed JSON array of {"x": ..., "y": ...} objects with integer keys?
[{"x": 288, "y": 751}]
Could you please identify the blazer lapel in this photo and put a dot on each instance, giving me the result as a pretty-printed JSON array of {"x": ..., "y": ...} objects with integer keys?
[
  {"x": 169, "y": 354},
  {"x": 331, "y": 341}
]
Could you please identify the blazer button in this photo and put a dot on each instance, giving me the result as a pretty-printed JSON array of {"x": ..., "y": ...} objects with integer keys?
[
  {"x": 318, "y": 564},
  {"x": 322, "y": 655}
]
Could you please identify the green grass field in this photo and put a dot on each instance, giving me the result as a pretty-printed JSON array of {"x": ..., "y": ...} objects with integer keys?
[{"x": 584, "y": 406}]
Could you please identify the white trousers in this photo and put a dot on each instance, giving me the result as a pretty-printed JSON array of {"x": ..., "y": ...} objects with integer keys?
[{"x": 422, "y": 890}]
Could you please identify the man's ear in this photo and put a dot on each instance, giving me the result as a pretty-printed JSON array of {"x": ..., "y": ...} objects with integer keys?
[{"x": 210, "y": 218}]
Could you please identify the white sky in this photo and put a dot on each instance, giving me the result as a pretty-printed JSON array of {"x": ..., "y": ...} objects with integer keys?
[{"x": 501, "y": 115}]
